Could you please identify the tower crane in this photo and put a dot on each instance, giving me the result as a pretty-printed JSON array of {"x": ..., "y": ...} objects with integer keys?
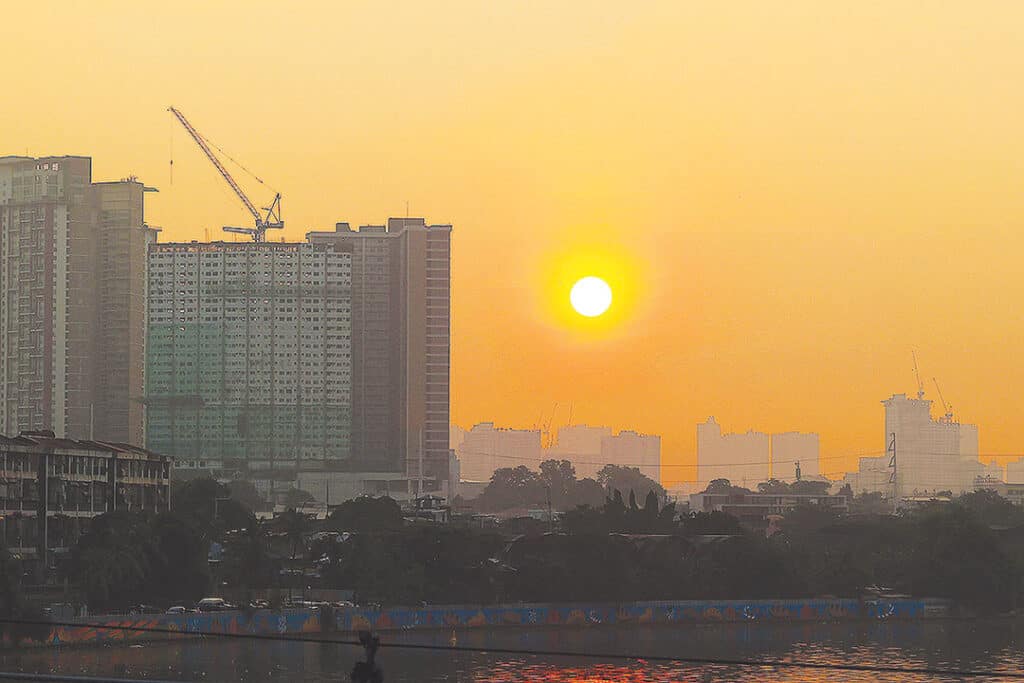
[
  {"x": 948, "y": 417},
  {"x": 272, "y": 219},
  {"x": 920, "y": 384}
]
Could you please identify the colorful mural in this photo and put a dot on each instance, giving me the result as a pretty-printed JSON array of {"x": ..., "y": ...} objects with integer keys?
[{"x": 351, "y": 620}]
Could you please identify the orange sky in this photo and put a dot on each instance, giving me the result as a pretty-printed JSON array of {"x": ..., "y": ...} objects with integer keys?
[{"x": 787, "y": 196}]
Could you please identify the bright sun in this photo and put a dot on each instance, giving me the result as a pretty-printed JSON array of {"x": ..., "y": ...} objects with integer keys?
[{"x": 591, "y": 296}]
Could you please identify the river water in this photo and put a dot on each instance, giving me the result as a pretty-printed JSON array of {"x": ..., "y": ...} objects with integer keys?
[{"x": 990, "y": 645}]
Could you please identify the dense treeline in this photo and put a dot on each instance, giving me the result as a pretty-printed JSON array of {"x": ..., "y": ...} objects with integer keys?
[
  {"x": 628, "y": 547},
  {"x": 555, "y": 482}
]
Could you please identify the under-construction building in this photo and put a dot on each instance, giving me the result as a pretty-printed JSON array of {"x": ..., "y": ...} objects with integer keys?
[
  {"x": 924, "y": 456},
  {"x": 249, "y": 357},
  {"x": 72, "y": 300}
]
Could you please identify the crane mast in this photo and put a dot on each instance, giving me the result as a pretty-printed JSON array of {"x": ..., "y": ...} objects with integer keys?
[{"x": 271, "y": 220}]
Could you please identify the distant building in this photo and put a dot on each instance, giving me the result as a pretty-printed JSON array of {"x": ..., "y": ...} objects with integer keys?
[
  {"x": 791, "y": 448},
  {"x": 74, "y": 481},
  {"x": 630, "y": 449},
  {"x": 486, "y": 448},
  {"x": 401, "y": 345},
  {"x": 581, "y": 445},
  {"x": 932, "y": 455},
  {"x": 249, "y": 356},
  {"x": 72, "y": 300},
  {"x": 743, "y": 459},
  {"x": 1015, "y": 471}
]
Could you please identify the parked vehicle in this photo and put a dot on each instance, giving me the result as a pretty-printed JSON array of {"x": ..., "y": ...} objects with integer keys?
[
  {"x": 176, "y": 609},
  {"x": 259, "y": 604},
  {"x": 214, "y": 605}
]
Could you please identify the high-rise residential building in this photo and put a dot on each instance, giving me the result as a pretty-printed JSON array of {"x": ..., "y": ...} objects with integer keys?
[
  {"x": 631, "y": 449},
  {"x": 72, "y": 293},
  {"x": 743, "y": 459},
  {"x": 932, "y": 455},
  {"x": 401, "y": 344},
  {"x": 790, "y": 449},
  {"x": 581, "y": 445},
  {"x": 486, "y": 448},
  {"x": 249, "y": 355}
]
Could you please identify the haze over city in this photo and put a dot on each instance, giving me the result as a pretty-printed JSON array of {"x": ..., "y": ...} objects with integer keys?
[{"x": 785, "y": 199}]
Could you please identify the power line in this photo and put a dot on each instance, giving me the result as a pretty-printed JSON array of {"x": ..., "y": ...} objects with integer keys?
[
  {"x": 708, "y": 661},
  {"x": 69, "y": 678},
  {"x": 671, "y": 464}
]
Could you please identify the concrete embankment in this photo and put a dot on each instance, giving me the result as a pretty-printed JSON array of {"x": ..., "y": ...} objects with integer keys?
[{"x": 347, "y": 621}]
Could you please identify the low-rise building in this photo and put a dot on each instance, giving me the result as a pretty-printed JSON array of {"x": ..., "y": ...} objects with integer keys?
[
  {"x": 755, "y": 508},
  {"x": 72, "y": 481}
]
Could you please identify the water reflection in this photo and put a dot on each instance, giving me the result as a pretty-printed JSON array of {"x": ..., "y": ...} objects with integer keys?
[{"x": 953, "y": 644}]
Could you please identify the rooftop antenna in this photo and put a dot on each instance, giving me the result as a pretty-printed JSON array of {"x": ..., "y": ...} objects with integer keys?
[{"x": 920, "y": 384}]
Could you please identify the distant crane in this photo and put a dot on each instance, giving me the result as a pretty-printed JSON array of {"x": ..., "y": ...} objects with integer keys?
[
  {"x": 272, "y": 219},
  {"x": 948, "y": 417},
  {"x": 920, "y": 384}
]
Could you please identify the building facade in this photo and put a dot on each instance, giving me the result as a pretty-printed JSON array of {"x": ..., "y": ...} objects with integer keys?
[
  {"x": 72, "y": 293},
  {"x": 486, "y": 448},
  {"x": 581, "y": 445},
  {"x": 790, "y": 449},
  {"x": 249, "y": 356},
  {"x": 743, "y": 459},
  {"x": 632, "y": 449},
  {"x": 932, "y": 455},
  {"x": 401, "y": 345},
  {"x": 755, "y": 508},
  {"x": 73, "y": 481}
]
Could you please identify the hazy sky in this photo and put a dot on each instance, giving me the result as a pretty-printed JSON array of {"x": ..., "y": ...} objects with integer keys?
[{"x": 786, "y": 196}]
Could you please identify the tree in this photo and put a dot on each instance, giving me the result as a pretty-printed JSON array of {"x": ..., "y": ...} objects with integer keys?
[
  {"x": 512, "y": 487},
  {"x": 720, "y": 486},
  {"x": 245, "y": 493},
  {"x": 773, "y": 486},
  {"x": 14, "y": 606},
  {"x": 873, "y": 503},
  {"x": 294, "y": 524},
  {"x": 208, "y": 502},
  {"x": 559, "y": 478},
  {"x": 294, "y": 498},
  {"x": 991, "y": 509},
  {"x": 366, "y": 514},
  {"x": 247, "y": 562},
  {"x": 127, "y": 558},
  {"x": 628, "y": 479}
]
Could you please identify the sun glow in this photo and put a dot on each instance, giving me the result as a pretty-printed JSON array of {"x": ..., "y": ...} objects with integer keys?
[{"x": 591, "y": 296}]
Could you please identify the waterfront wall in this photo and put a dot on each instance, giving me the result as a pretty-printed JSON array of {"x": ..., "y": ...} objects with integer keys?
[{"x": 347, "y": 621}]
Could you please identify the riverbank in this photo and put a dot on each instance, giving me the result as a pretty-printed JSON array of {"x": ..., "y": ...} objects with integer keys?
[{"x": 348, "y": 621}]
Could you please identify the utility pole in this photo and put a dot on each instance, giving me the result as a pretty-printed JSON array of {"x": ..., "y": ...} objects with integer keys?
[
  {"x": 892, "y": 475},
  {"x": 551, "y": 517}
]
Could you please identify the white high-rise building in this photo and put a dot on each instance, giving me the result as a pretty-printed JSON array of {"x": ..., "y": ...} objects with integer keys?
[
  {"x": 631, "y": 449},
  {"x": 486, "y": 448},
  {"x": 931, "y": 455},
  {"x": 581, "y": 445},
  {"x": 791, "y": 448},
  {"x": 740, "y": 458}
]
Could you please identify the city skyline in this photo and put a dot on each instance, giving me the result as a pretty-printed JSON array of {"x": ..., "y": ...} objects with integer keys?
[{"x": 727, "y": 181}]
